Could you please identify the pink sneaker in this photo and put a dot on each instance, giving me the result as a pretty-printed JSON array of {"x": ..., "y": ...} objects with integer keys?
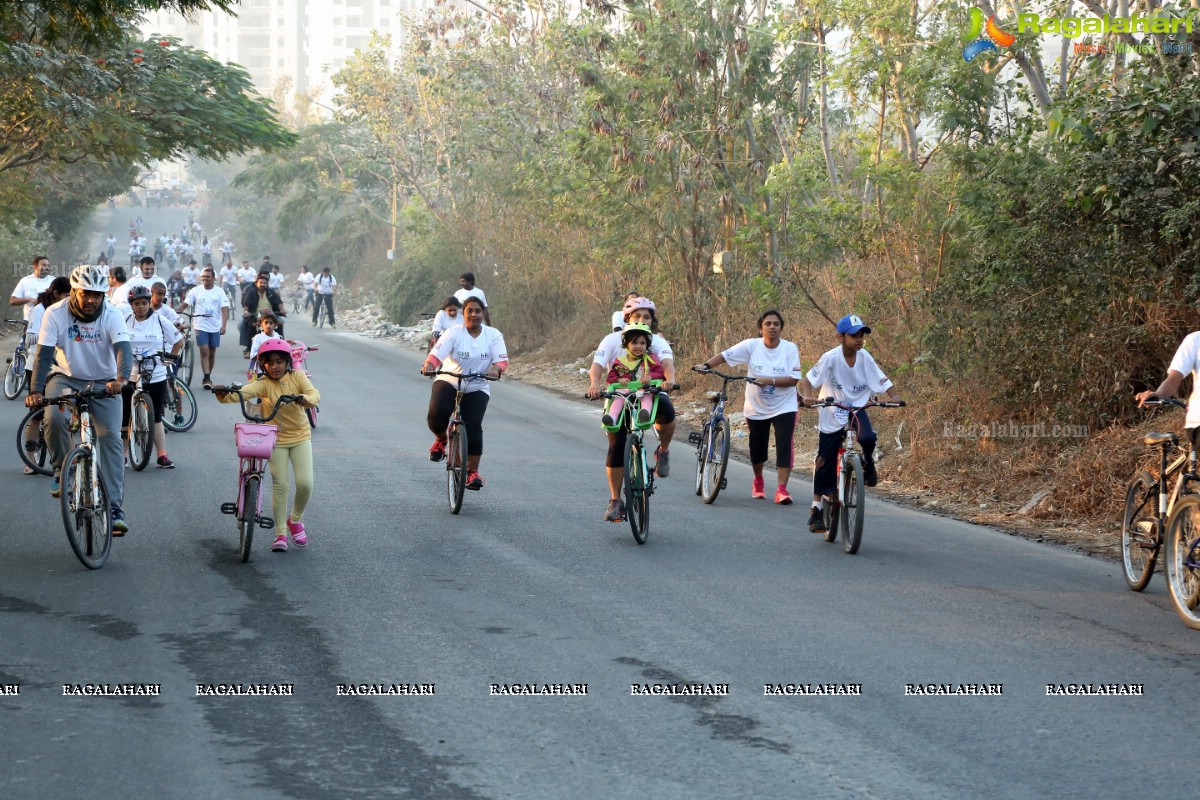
[
  {"x": 758, "y": 492},
  {"x": 296, "y": 529},
  {"x": 280, "y": 544}
]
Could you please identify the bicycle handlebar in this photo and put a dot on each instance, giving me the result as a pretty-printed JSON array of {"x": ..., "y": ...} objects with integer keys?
[
  {"x": 236, "y": 388},
  {"x": 466, "y": 376},
  {"x": 725, "y": 377},
  {"x": 74, "y": 397},
  {"x": 1159, "y": 402},
  {"x": 830, "y": 402}
]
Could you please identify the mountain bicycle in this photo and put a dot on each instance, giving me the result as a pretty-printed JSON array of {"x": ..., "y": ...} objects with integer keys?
[
  {"x": 187, "y": 356},
  {"x": 712, "y": 443},
  {"x": 456, "y": 440},
  {"x": 86, "y": 509},
  {"x": 638, "y": 485},
  {"x": 847, "y": 506},
  {"x": 14, "y": 370},
  {"x": 1148, "y": 506},
  {"x": 255, "y": 441},
  {"x": 141, "y": 415}
]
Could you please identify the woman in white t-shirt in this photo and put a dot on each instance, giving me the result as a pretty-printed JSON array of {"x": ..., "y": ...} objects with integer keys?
[
  {"x": 774, "y": 364},
  {"x": 445, "y": 319},
  {"x": 149, "y": 335},
  {"x": 468, "y": 348}
]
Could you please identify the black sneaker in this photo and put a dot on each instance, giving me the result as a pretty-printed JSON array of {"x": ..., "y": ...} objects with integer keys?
[
  {"x": 870, "y": 476},
  {"x": 615, "y": 512},
  {"x": 816, "y": 523},
  {"x": 165, "y": 463}
]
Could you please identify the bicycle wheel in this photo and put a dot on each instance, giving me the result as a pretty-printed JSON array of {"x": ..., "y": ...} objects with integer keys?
[
  {"x": 14, "y": 377},
  {"x": 187, "y": 365},
  {"x": 1140, "y": 531},
  {"x": 141, "y": 443},
  {"x": 85, "y": 509},
  {"x": 456, "y": 468},
  {"x": 831, "y": 511},
  {"x": 249, "y": 517},
  {"x": 637, "y": 499},
  {"x": 1183, "y": 560},
  {"x": 321, "y": 313},
  {"x": 701, "y": 450},
  {"x": 181, "y": 404},
  {"x": 853, "y": 496},
  {"x": 717, "y": 458},
  {"x": 37, "y": 459}
]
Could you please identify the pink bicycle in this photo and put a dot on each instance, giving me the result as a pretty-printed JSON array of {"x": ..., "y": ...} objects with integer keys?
[
  {"x": 255, "y": 442},
  {"x": 300, "y": 352}
]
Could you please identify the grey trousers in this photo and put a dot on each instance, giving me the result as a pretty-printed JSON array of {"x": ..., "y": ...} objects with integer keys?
[{"x": 106, "y": 420}]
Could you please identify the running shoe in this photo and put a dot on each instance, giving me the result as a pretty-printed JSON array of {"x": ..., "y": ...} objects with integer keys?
[
  {"x": 662, "y": 462},
  {"x": 816, "y": 523},
  {"x": 165, "y": 463},
  {"x": 438, "y": 451},
  {"x": 782, "y": 497},
  {"x": 280, "y": 544},
  {"x": 56, "y": 485},
  {"x": 615, "y": 512},
  {"x": 296, "y": 529},
  {"x": 758, "y": 490},
  {"x": 870, "y": 476},
  {"x": 179, "y": 420},
  {"x": 120, "y": 528},
  {"x": 474, "y": 481}
]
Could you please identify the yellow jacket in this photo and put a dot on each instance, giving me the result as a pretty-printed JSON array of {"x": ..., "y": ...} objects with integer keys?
[{"x": 292, "y": 423}]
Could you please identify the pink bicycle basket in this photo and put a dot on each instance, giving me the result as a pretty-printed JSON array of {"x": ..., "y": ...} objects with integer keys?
[{"x": 254, "y": 440}]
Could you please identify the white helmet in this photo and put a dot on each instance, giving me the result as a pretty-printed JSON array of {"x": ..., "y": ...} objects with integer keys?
[{"x": 90, "y": 278}]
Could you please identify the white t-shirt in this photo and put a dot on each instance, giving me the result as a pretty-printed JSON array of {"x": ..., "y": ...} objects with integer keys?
[
  {"x": 463, "y": 294},
  {"x": 119, "y": 297},
  {"x": 610, "y": 349},
  {"x": 191, "y": 276},
  {"x": 207, "y": 301},
  {"x": 83, "y": 350},
  {"x": 850, "y": 386},
  {"x": 247, "y": 274},
  {"x": 443, "y": 321},
  {"x": 148, "y": 338},
  {"x": 35, "y": 324},
  {"x": 168, "y": 313},
  {"x": 275, "y": 280},
  {"x": 28, "y": 288},
  {"x": 227, "y": 248},
  {"x": 459, "y": 351},
  {"x": 140, "y": 281},
  {"x": 782, "y": 361},
  {"x": 618, "y": 320},
  {"x": 306, "y": 279},
  {"x": 229, "y": 276},
  {"x": 1187, "y": 362},
  {"x": 324, "y": 283},
  {"x": 256, "y": 343}
]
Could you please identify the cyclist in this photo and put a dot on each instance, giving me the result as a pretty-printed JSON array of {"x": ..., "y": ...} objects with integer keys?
[
  {"x": 849, "y": 374},
  {"x": 470, "y": 347},
  {"x": 468, "y": 289},
  {"x": 147, "y": 276},
  {"x": 229, "y": 279},
  {"x": 267, "y": 322},
  {"x": 59, "y": 288},
  {"x": 246, "y": 276},
  {"x": 294, "y": 443},
  {"x": 212, "y": 316},
  {"x": 643, "y": 311},
  {"x": 618, "y": 317},
  {"x": 190, "y": 276},
  {"x": 158, "y": 297},
  {"x": 447, "y": 317},
  {"x": 27, "y": 290},
  {"x": 304, "y": 282},
  {"x": 257, "y": 298},
  {"x": 83, "y": 340},
  {"x": 323, "y": 287},
  {"x": 276, "y": 278},
  {"x": 634, "y": 364},
  {"x": 175, "y": 287},
  {"x": 774, "y": 363},
  {"x": 1186, "y": 361},
  {"x": 149, "y": 334}
]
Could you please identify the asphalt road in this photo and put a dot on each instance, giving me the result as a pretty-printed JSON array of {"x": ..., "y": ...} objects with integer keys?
[{"x": 528, "y": 586}]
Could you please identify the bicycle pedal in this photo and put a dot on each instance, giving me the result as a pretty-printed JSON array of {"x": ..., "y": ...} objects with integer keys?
[
  {"x": 695, "y": 438},
  {"x": 266, "y": 522},
  {"x": 724, "y": 483},
  {"x": 228, "y": 508}
]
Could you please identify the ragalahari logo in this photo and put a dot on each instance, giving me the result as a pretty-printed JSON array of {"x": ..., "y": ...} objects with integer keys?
[{"x": 984, "y": 37}]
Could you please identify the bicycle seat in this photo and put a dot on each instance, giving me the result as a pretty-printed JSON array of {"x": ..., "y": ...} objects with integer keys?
[
  {"x": 713, "y": 396},
  {"x": 1153, "y": 439}
]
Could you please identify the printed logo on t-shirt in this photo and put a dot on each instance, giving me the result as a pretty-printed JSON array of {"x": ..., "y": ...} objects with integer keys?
[{"x": 90, "y": 334}]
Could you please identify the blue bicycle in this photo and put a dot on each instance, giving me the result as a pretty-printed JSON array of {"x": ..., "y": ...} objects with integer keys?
[
  {"x": 14, "y": 371},
  {"x": 712, "y": 443}
]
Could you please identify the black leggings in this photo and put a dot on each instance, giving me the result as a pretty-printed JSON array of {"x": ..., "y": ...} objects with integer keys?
[
  {"x": 616, "y": 441},
  {"x": 760, "y": 431},
  {"x": 158, "y": 399},
  {"x": 474, "y": 406}
]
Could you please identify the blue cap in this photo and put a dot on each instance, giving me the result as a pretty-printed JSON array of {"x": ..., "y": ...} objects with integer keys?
[{"x": 852, "y": 323}]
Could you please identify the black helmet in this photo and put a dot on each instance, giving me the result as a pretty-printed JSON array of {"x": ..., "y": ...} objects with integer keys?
[{"x": 139, "y": 292}]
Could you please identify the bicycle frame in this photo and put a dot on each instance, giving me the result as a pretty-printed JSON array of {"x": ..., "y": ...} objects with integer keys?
[{"x": 706, "y": 440}]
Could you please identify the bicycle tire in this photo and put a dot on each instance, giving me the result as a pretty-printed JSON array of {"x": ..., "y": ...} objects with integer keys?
[
  {"x": 456, "y": 468},
  {"x": 1140, "y": 534},
  {"x": 249, "y": 517},
  {"x": 141, "y": 437},
  {"x": 36, "y": 460},
  {"x": 186, "y": 407},
  {"x": 1182, "y": 556},
  {"x": 831, "y": 511},
  {"x": 717, "y": 460},
  {"x": 701, "y": 449},
  {"x": 187, "y": 365},
  {"x": 321, "y": 314},
  {"x": 14, "y": 377},
  {"x": 89, "y": 530},
  {"x": 311, "y": 413},
  {"x": 637, "y": 498},
  {"x": 854, "y": 495}
]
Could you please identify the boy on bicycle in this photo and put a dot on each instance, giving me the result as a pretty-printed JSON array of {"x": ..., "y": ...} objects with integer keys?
[{"x": 850, "y": 375}]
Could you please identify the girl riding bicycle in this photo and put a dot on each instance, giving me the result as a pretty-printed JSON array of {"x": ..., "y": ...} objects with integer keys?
[
  {"x": 635, "y": 364},
  {"x": 294, "y": 444}
]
